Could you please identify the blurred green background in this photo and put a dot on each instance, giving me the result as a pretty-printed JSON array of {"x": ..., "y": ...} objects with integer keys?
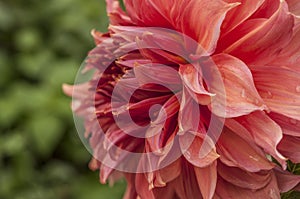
[{"x": 42, "y": 44}]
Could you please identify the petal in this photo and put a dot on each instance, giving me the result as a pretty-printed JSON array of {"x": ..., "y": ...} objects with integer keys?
[
  {"x": 116, "y": 15},
  {"x": 162, "y": 130},
  {"x": 290, "y": 147},
  {"x": 192, "y": 79},
  {"x": 186, "y": 185},
  {"x": 288, "y": 125},
  {"x": 239, "y": 14},
  {"x": 148, "y": 13},
  {"x": 269, "y": 38},
  {"x": 294, "y": 6},
  {"x": 236, "y": 94},
  {"x": 157, "y": 74},
  {"x": 244, "y": 179},
  {"x": 286, "y": 180},
  {"x": 194, "y": 22},
  {"x": 283, "y": 98},
  {"x": 234, "y": 151},
  {"x": 207, "y": 179},
  {"x": 265, "y": 132},
  {"x": 189, "y": 109},
  {"x": 228, "y": 190},
  {"x": 196, "y": 151},
  {"x": 290, "y": 55},
  {"x": 130, "y": 192},
  {"x": 142, "y": 186}
]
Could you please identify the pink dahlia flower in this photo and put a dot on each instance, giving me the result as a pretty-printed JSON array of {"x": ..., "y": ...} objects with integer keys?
[{"x": 195, "y": 98}]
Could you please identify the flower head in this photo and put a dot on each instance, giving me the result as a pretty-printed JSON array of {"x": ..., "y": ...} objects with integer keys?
[{"x": 194, "y": 98}]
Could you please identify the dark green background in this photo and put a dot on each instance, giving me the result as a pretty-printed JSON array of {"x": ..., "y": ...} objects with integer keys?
[{"x": 42, "y": 44}]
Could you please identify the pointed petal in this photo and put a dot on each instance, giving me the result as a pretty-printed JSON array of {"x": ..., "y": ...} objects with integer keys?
[
  {"x": 294, "y": 6},
  {"x": 288, "y": 125},
  {"x": 280, "y": 98},
  {"x": 289, "y": 56},
  {"x": 152, "y": 74},
  {"x": 269, "y": 38},
  {"x": 116, "y": 15},
  {"x": 130, "y": 192},
  {"x": 239, "y": 14},
  {"x": 147, "y": 13},
  {"x": 244, "y": 179},
  {"x": 196, "y": 151},
  {"x": 228, "y": 190},
  {"x": 236, "y": 94},
  {"x": 234, "y": 151},
  {"x": 194, "y": 22},
  {"x": 286, "y": 180},
  {"x": 207, "y": 179},
  {"x": 189, "y": 109},
  {"x": 265, "y": 132},
  {"x": 192, "y": 79},
  {"x": 142, "y": 186},
  {"x": 290, "y": 147}
]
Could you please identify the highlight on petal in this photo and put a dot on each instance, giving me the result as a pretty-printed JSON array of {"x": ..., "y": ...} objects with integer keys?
[
  {"x": 286, "y": 180},
  {"x": 194, "y": 22},
  {"x": 236, "y": 152},
  {"x": 265, "y": 132},
  {"x": 228, "y": 190},
  {"x": 283, "y": 98},
  {"x": 196, "y": 151},
  {"x": 240, "y": 96},
  {"x": 244, "y": 179},
  {"x": 116, "y": 15},
  {"x": 269, "y": 38},
  {"x": 294, "y": 6},
  {"x": 290, "y": 147},
  {"x": 239, "y": 14},
  {"x": 207, "y": 180},
  {"x": 192, "y": 79}
]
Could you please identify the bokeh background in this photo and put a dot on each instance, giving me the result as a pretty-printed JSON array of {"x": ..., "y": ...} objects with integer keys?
[{"x": 42, "y": 45}]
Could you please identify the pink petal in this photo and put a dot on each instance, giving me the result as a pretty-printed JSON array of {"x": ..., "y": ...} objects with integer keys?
[
  {"x": 294, "y": 6},
  {"x": 189, "y": 109},
  {"x": 194, "y": 22},
  {"x": 130, "y": 192},
  {"x": 288, "y": 125},
  {"x": 244, "y": 179},
  {"x": 286, "y": 180},
  {"x": 168, "y": 173},
  {"x": 192, "y": 79},
  {"x": 228, "y": 190},
  {"x": 289, "y": 56},
  {"x": 196, "y": 151},
  {"x": 290, "y": 147},
  {"x": 186, "y": 185},
  {"x": 236, "y": 94},
  {"x": 283, "y": 98},
  {"x": 239, "y": 14},
  {"x": 148, "y": 13},
  {"x": 234, "y": 151},
  {"x": 142, "y": 186},
  {"x": 269, "y": 38},
  {"x": 152, "y": 74},
  {"x": 265, "y": 132},
  {"x": 116, "y": 15},
  {"x": 207, "y": 179}
]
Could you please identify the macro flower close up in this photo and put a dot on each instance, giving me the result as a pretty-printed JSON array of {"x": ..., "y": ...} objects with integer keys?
[{"x": 195, "y": 98}]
